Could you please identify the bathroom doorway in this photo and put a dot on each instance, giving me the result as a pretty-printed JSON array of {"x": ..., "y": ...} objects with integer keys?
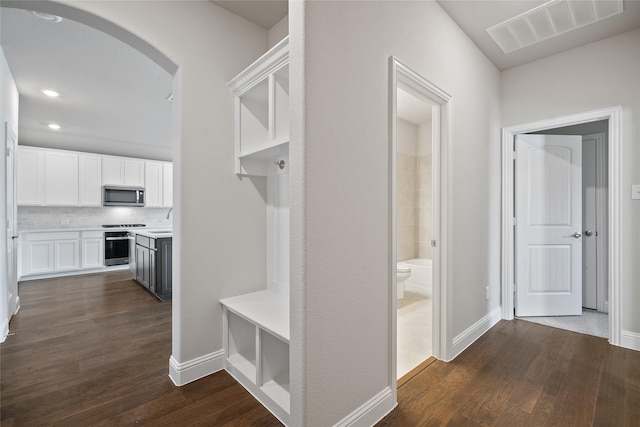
[
  {"x": 419, "y": 125},
  {"x": 414, "y": 225}
]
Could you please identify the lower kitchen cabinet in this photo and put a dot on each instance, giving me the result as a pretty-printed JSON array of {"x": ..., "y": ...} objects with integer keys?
[
  {"x": 154, "y": 265},
  {"x": 55, "y": 252}
]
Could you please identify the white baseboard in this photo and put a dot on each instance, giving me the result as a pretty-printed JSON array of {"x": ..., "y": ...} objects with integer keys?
[
  {"x": 4, "y": 330},
  {"x": 630, "y": 340},
  {"x": 194, "y": 369},
  {"x": 422, "y": 290},
  {"x": 74, "y": 272},
  {"x": 371, "y": 412},
  {"x": 475, "y": 331}
]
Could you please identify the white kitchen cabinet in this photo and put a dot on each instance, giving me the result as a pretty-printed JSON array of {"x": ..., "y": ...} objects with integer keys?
[
  {"x": 61, "y": 176},
  {"x": 167, "y": 185},
  {"x": 153, "y": 184},
  {"x": 50, "y": 252},
  {"x": 30, "y": 176},
  {"x": 262, "y": 112},
  {"x": 92, "y": 250},
  {"x": 122, "y": 171},
  {"x": 67, "y": 254},
  {"x": 90, "y": 180}
]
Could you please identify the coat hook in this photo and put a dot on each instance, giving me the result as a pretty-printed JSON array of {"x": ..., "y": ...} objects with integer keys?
[{"x": 280, "y": 164}]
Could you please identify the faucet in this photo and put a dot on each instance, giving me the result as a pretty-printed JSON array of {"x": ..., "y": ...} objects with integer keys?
[{"x": 169, "y": 213}]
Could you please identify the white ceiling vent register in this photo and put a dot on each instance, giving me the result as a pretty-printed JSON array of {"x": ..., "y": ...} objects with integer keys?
[{"x": 549, "y": 20}]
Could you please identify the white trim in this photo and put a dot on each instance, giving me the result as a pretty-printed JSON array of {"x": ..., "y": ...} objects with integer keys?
[
  {"x": 109, "y": 269},
  {"x": 194, "y": 369},
  {"x": 4, "y": 330},
  {"x": 630, "y": 340},
  {"x": 613, "y": 115},
  {"x": 371, "y": 412},
  {"x": 475, "y": 331}
]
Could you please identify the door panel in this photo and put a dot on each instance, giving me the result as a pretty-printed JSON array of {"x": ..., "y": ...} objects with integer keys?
[{"x": 548, "y": 212}]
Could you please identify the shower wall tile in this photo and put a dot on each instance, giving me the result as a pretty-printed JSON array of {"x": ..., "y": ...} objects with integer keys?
[{"x": 425, "y": 206}]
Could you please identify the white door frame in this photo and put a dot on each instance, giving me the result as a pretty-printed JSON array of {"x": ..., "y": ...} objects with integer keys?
[
  {"x": 614, "y": 117},
  {"x": 404, "y": 77}
]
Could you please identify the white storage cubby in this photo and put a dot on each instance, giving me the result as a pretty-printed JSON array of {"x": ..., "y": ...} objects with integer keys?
[
  {"x": 256, "y": 340},
  {"x": 262, "y": 111}
]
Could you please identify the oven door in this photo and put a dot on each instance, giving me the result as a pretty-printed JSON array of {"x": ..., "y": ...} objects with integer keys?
[{"x": 116, "y": 248}]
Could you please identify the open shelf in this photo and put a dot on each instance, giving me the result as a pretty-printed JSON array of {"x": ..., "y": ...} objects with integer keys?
[
  {"x": 268, "y": 310},
  {"x": 262, "y": 111}
]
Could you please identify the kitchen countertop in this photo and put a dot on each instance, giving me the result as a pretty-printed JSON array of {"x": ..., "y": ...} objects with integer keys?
[
  {"x": 160, "y": 233},
  {"x": 137, "y": 230}
]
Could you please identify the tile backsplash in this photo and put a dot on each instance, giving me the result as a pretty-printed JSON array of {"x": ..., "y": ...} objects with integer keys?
[{"x": 47, "y": 217}]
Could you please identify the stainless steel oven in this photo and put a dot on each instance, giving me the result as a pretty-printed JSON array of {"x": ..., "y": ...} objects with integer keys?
[{"x": 116, "y": 247}]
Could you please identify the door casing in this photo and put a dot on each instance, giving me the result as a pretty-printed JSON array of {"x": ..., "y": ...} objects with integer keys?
[{"x": 614, "y": 116}]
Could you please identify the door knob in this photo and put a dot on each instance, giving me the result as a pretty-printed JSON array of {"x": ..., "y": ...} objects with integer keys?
[
  {"x": 588, "y": 233},
  {"x": 576, "y": 235},
  {"x": 14, "y": 237}
]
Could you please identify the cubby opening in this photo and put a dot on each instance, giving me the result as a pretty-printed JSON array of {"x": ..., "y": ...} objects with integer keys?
[
  {"x": 242, "y": 345},
  {"x": 275, "y": 369},
  {"x": 254, "y": 117},
  {"x": 281, "y": 105}
]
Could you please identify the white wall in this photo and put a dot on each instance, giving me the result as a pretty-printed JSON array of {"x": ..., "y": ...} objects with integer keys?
[
  {"x": 339, "y": 90},
  {"x": 597, "y": 75},
  {"x": 8, "y": 114},
  {"x": 219, "y": 219},
  {"x": 278, "y": 31}
]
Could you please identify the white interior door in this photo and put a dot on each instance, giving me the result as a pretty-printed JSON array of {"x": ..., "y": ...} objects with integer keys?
[
  {"x": 12, "y": 232},
  {"x": 548, "y": 225}
]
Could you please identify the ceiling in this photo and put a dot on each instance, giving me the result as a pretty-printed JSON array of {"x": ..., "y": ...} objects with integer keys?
[{"x": 114, "y": 99}]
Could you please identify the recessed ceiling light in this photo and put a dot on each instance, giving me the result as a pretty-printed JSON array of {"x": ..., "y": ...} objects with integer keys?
[
  {"x": 54, "y": 126},
  {"x": 51, "y": 93},
  {"x": 47, "y": 16}
]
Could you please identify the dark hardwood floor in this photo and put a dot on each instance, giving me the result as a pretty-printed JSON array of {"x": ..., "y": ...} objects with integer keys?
[{"x": 94, "y": 350}]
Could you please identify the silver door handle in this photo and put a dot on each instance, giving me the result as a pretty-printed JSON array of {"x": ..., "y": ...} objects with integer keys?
[
  {"x": 588, "y": 233},
  {"x": 576, "y": 235},
  {"x": 14, "y": 237}
]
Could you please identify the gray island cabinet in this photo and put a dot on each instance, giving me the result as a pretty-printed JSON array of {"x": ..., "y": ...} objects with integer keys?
[{"x": 153, "y": 264}]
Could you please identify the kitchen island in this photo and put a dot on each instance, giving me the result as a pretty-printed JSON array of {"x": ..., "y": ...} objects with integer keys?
[{"x": 152, "y": 266}]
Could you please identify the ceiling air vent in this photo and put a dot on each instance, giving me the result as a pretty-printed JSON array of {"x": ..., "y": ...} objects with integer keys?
[{"x": 549, "y": 20}]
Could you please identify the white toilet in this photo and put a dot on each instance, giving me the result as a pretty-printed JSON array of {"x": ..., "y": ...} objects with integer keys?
[{"x": 403, "y": 272}]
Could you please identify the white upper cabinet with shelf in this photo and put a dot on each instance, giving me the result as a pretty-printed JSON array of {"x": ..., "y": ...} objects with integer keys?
[
  {"x": 122, "y": 171},
  {"x": 262, "y": 111}
]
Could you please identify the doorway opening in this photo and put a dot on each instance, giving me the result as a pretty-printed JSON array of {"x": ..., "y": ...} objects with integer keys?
[
  {"x": 588, "y": 311},
  {"x": 602, "y": 155},
  {"x": 417, "y": 143}
]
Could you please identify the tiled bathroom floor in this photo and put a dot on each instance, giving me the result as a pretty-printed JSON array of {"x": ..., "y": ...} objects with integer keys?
[{"x": 414, "y": 331}]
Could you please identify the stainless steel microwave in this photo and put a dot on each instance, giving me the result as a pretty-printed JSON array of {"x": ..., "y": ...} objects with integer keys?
[{"x": 122, "y": 196}]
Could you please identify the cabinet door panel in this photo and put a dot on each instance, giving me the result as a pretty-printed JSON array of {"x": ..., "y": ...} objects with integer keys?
[
  {"x": 167, "y": 185},
  {"x": 92, "y": 253},
  {"x": 61, "y": 179},
  {"x": 134, "y": 173},
  {"x": 112, "y": 171},
  {"x": 90, "y": 180},
  {"x": 30, "y": 177},
  {"x": 38, "y": 257},
  {"x": 67, "y": 255},
  {"x": 153, "y": 184}
]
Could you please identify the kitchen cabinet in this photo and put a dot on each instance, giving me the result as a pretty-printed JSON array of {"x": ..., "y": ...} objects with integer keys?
[
  {"x": 50, "y": 252},
  {"x": 154, "y": 265},
  {"x": 158, "y": 184},
  {"x": 30, "y": 176},
  {"x": 61, "y": 178},
  {"x": 90, "y": 180},
  {"x": 167, "y": 185},
  {"x": 261, "y": 94},
  {"x": 153, "y": 184},
  {"x": 122, "y": 171},
  {"x": 92, "y": 250}
]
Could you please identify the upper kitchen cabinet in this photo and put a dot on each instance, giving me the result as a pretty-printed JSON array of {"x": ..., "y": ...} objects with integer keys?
[
  {"x": 30, "y": 176},
  {"x": 158, "y": 183},
  {"x": 122, "y": 171},
  {"x": 262, "y": 112},
  {"x": 61, "y": 176},
  {"x": 90, "y": 180}
]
